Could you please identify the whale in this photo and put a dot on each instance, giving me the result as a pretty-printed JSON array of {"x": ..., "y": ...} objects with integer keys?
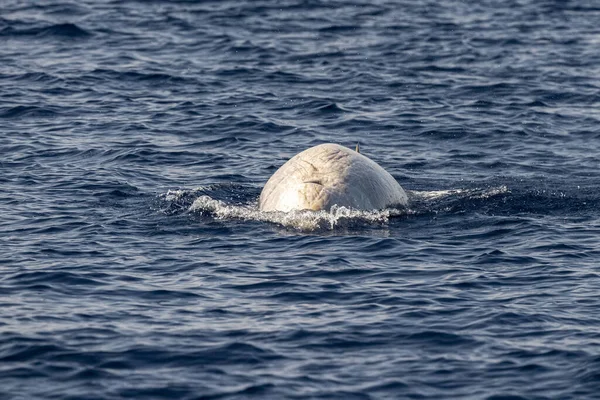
[{"x": 330, "y": 174}]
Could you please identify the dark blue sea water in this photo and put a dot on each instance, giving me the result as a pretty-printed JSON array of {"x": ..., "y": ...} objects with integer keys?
[{"x": 135, "y": 138}]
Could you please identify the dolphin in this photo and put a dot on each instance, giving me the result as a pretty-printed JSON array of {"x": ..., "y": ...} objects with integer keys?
[{"x": 327, "y": 175}]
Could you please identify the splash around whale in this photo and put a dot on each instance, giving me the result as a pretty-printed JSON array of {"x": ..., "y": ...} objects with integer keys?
[{"x": 327, "y": 175}]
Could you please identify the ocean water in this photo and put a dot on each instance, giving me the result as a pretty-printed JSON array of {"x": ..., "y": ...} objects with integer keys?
[{"x": 135, "y": 138}]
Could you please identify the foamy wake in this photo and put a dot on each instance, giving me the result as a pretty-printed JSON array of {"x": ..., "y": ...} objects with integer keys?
[
  {"x": 337, "y": 217},
  {"x": 301, "y": 220}
]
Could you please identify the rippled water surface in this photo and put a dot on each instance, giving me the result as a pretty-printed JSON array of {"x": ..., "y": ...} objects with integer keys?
[{"x": 135, "y": 138}]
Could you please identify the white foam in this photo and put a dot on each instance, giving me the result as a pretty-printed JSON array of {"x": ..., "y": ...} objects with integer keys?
[
  {"x": 478, "y": 193},
  {"x": 301, "y": 220},
  {"x": 174, "y": 195}
]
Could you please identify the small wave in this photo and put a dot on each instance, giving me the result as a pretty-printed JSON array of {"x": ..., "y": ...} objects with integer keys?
[
  {"x": 27, "y": 111},
  {"x": 339, "y": 28},
  {"x": 330, "y": 107},
  {"x": 455, "y": 201},
  {"x": 462, "y": 193},
  {"x": 41, "y": 77},
  {"x": 66, "y": 30},
  {"x": 137, "y": 76}
]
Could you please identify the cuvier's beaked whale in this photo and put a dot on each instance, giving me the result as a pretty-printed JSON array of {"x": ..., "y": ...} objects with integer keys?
[{"x": 327, "y": 175}]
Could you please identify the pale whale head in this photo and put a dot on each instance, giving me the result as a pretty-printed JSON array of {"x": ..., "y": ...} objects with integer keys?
[{"x": 327, "y": 175}]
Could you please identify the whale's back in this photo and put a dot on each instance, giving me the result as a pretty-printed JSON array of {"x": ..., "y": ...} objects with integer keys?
[{"x": 329, "y": 174}]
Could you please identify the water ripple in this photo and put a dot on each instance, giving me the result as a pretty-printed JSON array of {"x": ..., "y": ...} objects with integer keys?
[{"x": 135, "y": 140}]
